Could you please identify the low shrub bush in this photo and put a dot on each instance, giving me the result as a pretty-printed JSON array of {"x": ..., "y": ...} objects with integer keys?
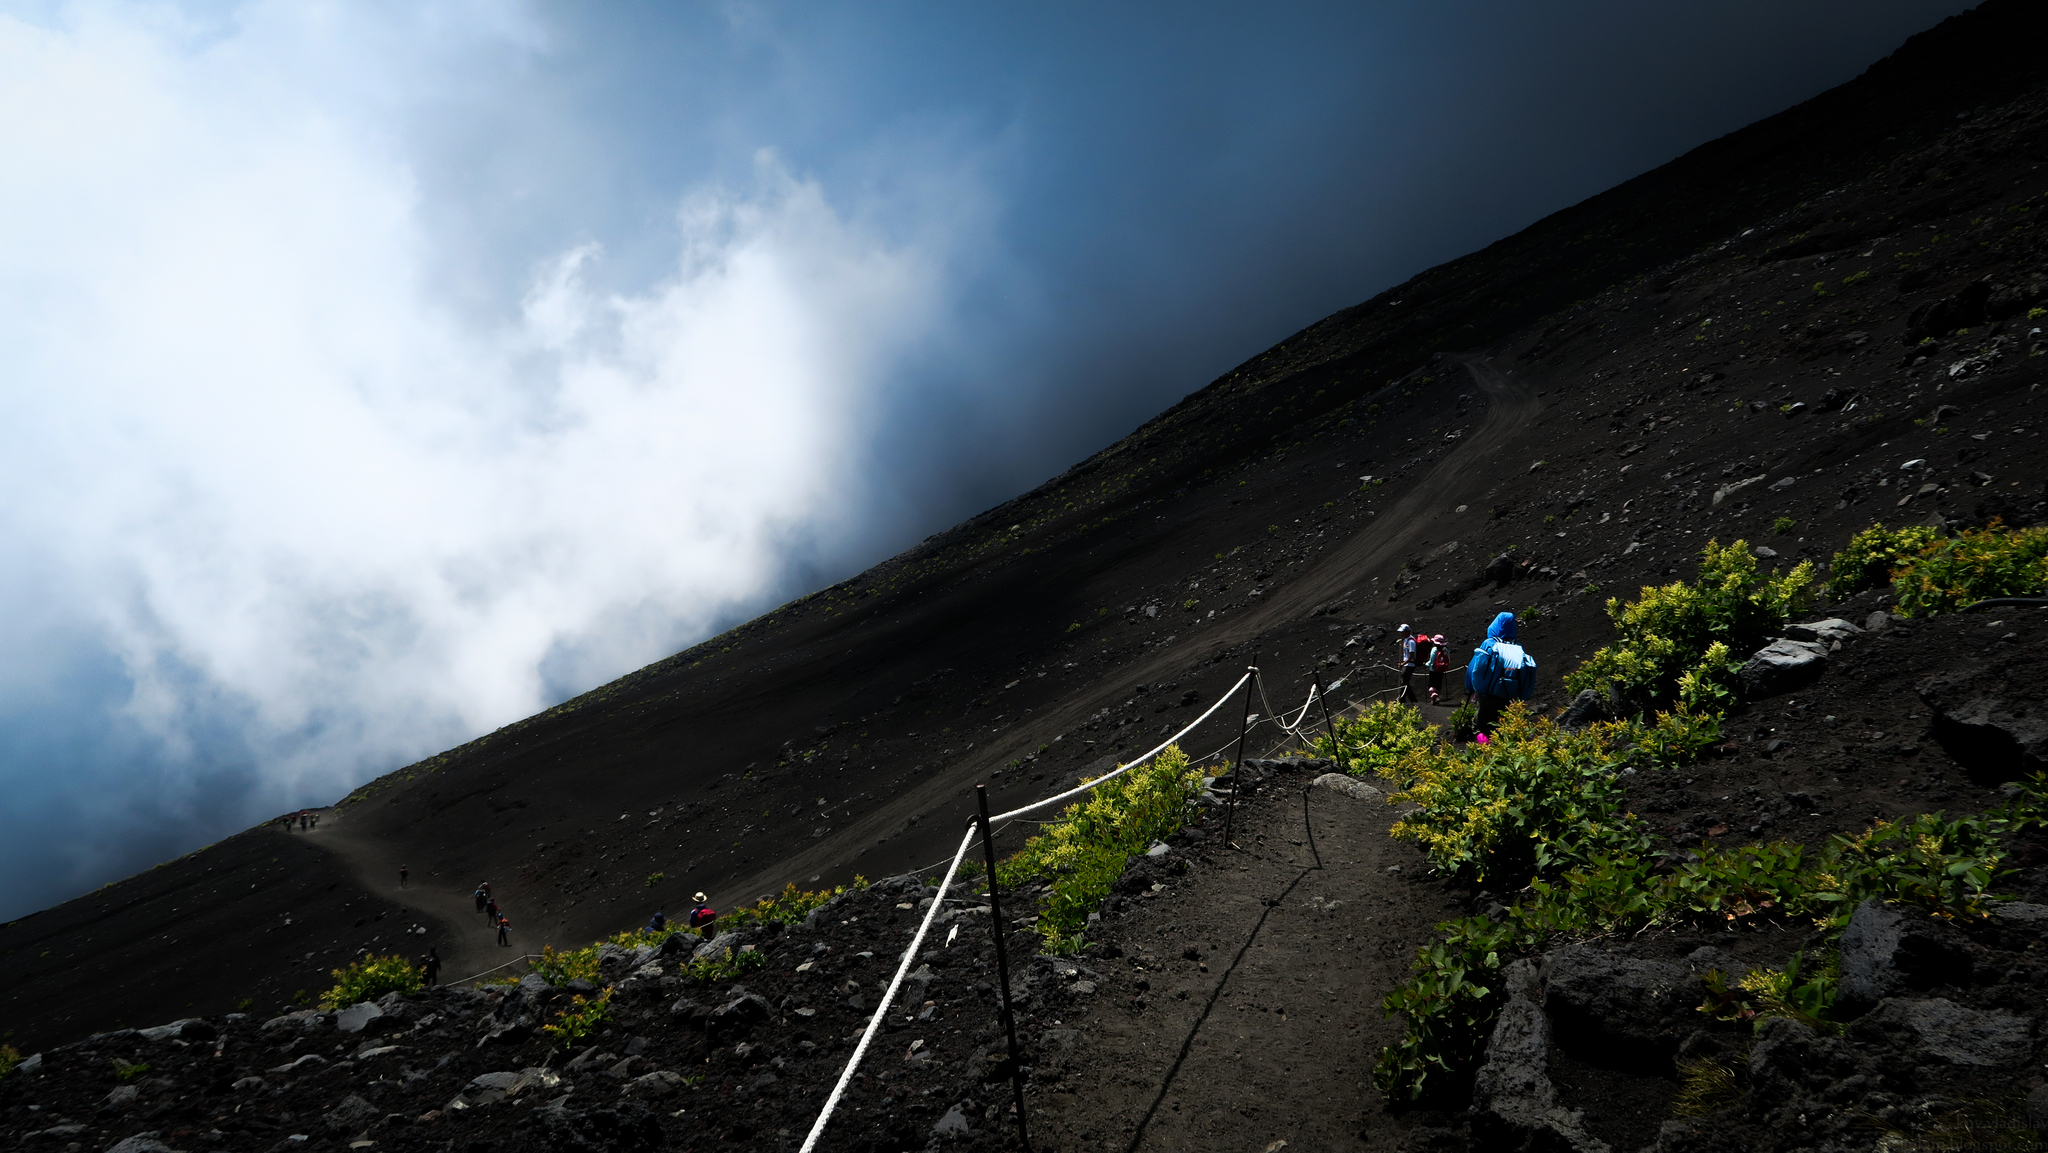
[
  {"x": 1947, "y": 574},
  {"x": 9, "y": 1058},
  {"x": 371, "y": 978},
  {"x": 1084, "y": 850},
  {"x": 1871, "y": 556},
  {"x": 580, "y": 1019},
  {"x": 1372, "y": 743}
]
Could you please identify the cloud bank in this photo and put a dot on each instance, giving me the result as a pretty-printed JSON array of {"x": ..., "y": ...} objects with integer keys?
[{"x": 280, "y": 517}]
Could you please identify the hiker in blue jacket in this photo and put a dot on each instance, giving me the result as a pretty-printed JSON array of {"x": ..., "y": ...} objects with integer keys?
[{"x": 1501, "y": 671}]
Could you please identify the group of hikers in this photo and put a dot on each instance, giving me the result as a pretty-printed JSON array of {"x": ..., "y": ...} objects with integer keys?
[
  {"x": 307, "y": 819},
  {"x": 1500, "y": 670},
  {"x": 701, "y": 920}
]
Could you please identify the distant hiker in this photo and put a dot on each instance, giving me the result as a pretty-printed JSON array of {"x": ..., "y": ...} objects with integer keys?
[
  {"x": 703, "y": 917},
  {"x": 504, "y": 927},
  {"x": 1439, "y": 664},
  {"x": 491, "y": 910},
  {"x": 1416, "y": 650},
  {"x": 1501, "y": 671},
  {"x": 433, "y": 967},
  {"x": 305, "y": 822},
  {"x": 403, "y": 874},
  {"x": 657, "y": 923},
  {"x": 480, "y": 898}
]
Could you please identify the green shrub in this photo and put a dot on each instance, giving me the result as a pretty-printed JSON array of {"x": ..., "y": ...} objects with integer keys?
[
  {"x": 123, "y": 1071},
  {"x": 1974, "y": 564},
  {"x": 9, "y": 1058},
  {"x": 561, "y": 968},
  {"x": 1783, "y": 525},
  {"x": 714, "y": 969},
  {"x": 371, "y": 978},
  {"x": 580, "y": 1019},
  {"x": 1671, "y": 631},
  {"x": 1372, "y": 743},
  {"x": 654, "y": 879},
  {"x": 1871, "y": 556},
  {"x": 1765, "y": 993},
  {"x": 1085, "y": 849},
  {"x": 1532, "y": 799},
  {"x": 790, "y": 907},
  {"x": 1463, "y": 722}
]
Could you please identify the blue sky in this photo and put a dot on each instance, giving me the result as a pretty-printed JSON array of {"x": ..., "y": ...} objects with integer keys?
[{"x": 377, "y": 374}]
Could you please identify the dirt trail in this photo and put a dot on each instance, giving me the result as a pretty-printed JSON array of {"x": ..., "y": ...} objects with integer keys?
[
  {"x": 1272, "y": 1032},
  {"x": 442, "y": 904}
]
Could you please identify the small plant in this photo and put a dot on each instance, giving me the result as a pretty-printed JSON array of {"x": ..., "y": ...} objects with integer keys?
[
  {"x": 1855, "y": 278},
  {"x": 1085, "y": 849},
  {"x": 1785, "y": 409},
  {"x": 371, "y": 978},
  {"x": 1975, "y": 563},
  {"x": 1373, "y": 742},
  {"x": 302, "y": 998},
  {"x": 561, "y": 968},
  {"x": 1873, "y": 555},
  {"x": 1464, "y": 721},
  {"x": 580, "y": 1019},
  {"x": 1765, "y": 993},
  {"x": 1075, "y": 627},
  {"x": 1820, "y": 288},
  {"x": 714, "y": 969},
  {"x": 654, "y": 879},
  {"x": 244, "y": 1005},
  {"x": 9, "y": 1058},
  {"x": 1705, "y": 1086},
  {"x": 1272, "y": 530},
  {"x": 1783, "y": 525},
  {"x": 1189, "y": 604},
  {"x": 789, "y": 907},
  {"x": 123, "y": 1071}
]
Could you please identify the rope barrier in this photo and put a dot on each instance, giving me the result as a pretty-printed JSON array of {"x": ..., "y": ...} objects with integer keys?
[
  {"x": 488, "y": 972},
  {"x": 939, "y": 901}
]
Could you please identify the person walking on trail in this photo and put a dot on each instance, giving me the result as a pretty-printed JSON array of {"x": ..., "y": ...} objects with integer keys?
[
  {"x": 504, "y": 928},
  {"x": 432, "y": 967},
  {"x": 703, "y": 917},
  {"x": 1439, "y": 664},
  {"x": 403, "y": 874},
  {"x": 1501, "y": 671},
  {"x": 1416, "y": 649},
  {"x": 480, "y": 898},
  {"x": 491, "y": 910}
]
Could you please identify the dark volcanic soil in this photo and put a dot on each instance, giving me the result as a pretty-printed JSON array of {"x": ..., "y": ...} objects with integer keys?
[{"x": 1827, "y": 319}]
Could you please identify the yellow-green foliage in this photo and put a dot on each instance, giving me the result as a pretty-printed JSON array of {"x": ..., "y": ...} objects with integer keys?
[
  {"x": 123, "y": 1071},
  {"x": 9, "y": 1058},
  {"x": 1534, "y": 798},
  {"x": 371, "y": 978},
  {"x": 580, "y": 1019},
  {"x": 1085, "y": 849},
  {"x": 1374, "y": 742},
  {"x": 1872, "y": 555},
  {"x": 714, "y": 969},
  {"x": 560, "y": 968},
  {"x": 1670, "y": 632},
  {"x": 1992, "y": 562},
  {"x": 790, "y": 906}
]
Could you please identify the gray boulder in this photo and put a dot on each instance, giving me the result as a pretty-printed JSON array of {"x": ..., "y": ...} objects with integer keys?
[
  {"x": 953, "y": 1125},
  {"x": 1990, "y": 717},
  {"x": 1788, "y": 1060},
  {"x": 1617, "y": 1008},
  {"x": 647, "y": 1086},
  {"x": 1887, "y": 950},
  {"x": 491, "y": 1088},
  {"x": 1781, "y": 667},
  {"x": 1824, "y": 632},
  {"x": 353, "y": 1115},
  {"x": 356, "y": 1016},
  {"x": 189, "y": 1029},
  {"x": 1940, "y": 1030},
  {"x": 1514, "y": 1101},
  {"x": 1347, "y": 786},
  {"x": 30, "y": 1065},
  {"x": 742, "y": 1011},
  {"x": 121, "y": 1097},
  {"x": 140, "y": 1143},
  {"x": 623, "y": 1128},
  {"x": 1587, "y": 708},
  {"x": 714, "y": 949}
]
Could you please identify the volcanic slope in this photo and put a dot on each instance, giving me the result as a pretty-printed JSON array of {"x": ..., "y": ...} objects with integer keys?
[{"x": 1579, "y": 391}]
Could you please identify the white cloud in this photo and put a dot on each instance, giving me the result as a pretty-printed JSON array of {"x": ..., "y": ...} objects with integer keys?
[{"x": 270, "y": 465}]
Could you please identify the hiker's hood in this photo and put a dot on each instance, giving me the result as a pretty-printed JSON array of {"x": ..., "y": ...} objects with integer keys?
[{"x": 1502, "y": 628}]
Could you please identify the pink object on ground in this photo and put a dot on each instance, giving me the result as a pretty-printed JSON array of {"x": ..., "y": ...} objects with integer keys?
[{"x": 1480, "y": 737}]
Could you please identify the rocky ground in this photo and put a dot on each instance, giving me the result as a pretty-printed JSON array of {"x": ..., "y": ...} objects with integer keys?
[{"x": 1829, "y": 319}]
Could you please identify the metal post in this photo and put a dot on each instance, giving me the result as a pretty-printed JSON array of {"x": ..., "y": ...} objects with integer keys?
[
  {"x": 1237, "y": 770},
  {"x": 1328, "y": 723},
  {"x": 995, "y": 917}
]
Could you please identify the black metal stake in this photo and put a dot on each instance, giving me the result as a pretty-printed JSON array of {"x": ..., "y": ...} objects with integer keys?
[
  {"x": 1328, "y": 723},
  {"x": 995, "y": 917},
  {"x": 1237, "y": 770}
]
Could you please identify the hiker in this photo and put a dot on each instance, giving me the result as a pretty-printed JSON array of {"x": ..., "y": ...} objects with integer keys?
[
  {"x": 403, "y": 874},
  {"x": 1415, "y": 653},
  {"x": 491, "y": 909},
  {"x": 1501, "y": 671},
  {"x": 703, "y": 917},
  {"x": 1439, "y": 664},
  {"x": 504, "y": 927},
  {"x": 305, "y": 822},
  {"x": 657, "y": 923},
  {"x": 432, "y": 976},
  {"x": 480, "y": 898}
]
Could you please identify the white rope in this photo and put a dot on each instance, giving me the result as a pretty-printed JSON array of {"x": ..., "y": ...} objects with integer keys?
[
  {"x": 939, "y": 901},
  {"x": 875, "y": 1023}
]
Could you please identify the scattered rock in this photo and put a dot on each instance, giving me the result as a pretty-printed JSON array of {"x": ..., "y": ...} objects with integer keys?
[
  {"x": 659, "y": 1083},
  {"x": 1616, "y": 1011},
  {"x": 140, "y": 1143},
  {"x": 1514, "y": 1102},
  {"x": 1587, "y": 708},
  {"x": 1941, "y": 1030},
  {"x": 714, "y": 949},
  {"x": 353, "y": 1115},
  {"x": 1781, "y": 667},
  {"x": 624, "y": 1128},
  {"x": 1347, "y": 786},
  {"x": 1989, "y": 717},
  {"x": 953, "y": 1124},
  {"x": 1887, "y": 950},
  {"x": 1824, "y": 631},
  {"x": 353, "y": 1018}
]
